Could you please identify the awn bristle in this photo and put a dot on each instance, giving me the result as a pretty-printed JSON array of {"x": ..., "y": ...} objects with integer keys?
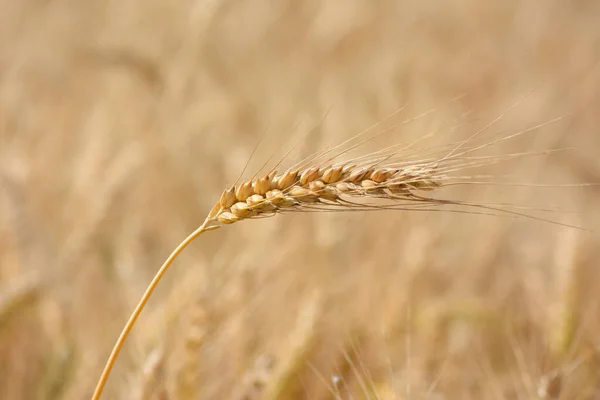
[{"x": 321, "y": 186}]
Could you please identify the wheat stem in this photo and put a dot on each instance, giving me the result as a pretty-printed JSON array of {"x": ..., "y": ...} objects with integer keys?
[{"x": 138, "y": 309}]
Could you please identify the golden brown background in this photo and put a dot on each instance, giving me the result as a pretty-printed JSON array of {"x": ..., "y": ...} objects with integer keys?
[{"x": 122, "y": 121}]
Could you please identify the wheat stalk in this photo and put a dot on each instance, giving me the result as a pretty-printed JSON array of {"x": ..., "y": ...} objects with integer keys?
[
  {"x": 317, "y": 186},
  {"x": 293, "y": 190}
]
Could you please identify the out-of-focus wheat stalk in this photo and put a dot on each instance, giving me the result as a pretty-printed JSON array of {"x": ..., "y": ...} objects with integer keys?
[{"x": 188, "y": 372}]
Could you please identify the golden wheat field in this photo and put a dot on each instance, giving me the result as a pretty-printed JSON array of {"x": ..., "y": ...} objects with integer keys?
[{"x": 122, "y": 122}]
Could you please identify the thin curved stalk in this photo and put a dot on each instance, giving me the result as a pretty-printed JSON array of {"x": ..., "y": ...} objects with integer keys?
[{"x": 144, "y": 299}]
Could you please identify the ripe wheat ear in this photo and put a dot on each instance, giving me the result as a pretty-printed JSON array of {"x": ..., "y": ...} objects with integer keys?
[
  {"x": 294, "y": 190},
  {"x": 321, "y": 186}
]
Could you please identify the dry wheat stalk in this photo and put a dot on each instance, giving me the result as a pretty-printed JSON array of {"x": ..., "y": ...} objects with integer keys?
[
  {"x": 296, "y": 190},
  {"x": 387, "y": 175}
]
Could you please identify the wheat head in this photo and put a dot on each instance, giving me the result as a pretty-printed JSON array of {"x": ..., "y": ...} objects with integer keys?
[
  {"x": 317, "y": 187},
  {"x": 320, "y": 187}
]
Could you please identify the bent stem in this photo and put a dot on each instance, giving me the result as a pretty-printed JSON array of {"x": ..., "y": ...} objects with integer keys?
[{"x": 138, "y": 309}]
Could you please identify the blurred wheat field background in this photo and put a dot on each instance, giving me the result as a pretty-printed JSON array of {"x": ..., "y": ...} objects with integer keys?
[{"x": 122, "y": 122}]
